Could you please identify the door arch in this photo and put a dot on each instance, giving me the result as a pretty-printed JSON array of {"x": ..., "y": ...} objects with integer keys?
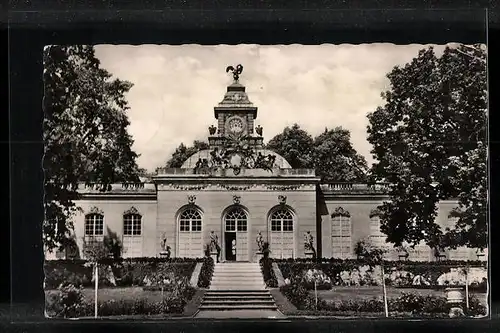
[
  {"x": 235, "y": 238},
  {"x": 282, "y": 232},
  {"x": 189, "y": 230}
]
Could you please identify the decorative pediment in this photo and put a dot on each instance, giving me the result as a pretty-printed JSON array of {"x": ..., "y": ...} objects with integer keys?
[
  {"x": 455, "y": 212},
  {"x": 191, "y": 199},
  {"x": 131, "y": 211},
  {"x": 340, "y": 211},
  {"x": 236, "y": 199},
  {"x": 282, "y": 199},
  {"x": 95, "y": 210},
  {"x": 375, "y": 212}
]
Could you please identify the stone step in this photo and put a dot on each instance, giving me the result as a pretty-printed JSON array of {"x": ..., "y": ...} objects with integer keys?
[
  {"x": 240, "y": 302},
  {"x": 237, "y": 307},
  {"x": 249, "y": 288},
  {"x": 238, "y": 293},
  {"x": 237, "y": 277},
  {"x": 239, "y": 286},
  {"x": 238, "y": 297}
]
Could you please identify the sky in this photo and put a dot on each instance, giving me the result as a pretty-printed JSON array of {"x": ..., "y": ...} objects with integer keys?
[{"x": 176, "y": 87}]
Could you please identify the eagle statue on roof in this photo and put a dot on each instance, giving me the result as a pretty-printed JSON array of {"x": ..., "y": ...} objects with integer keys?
[{"x": 236, "y": 71}]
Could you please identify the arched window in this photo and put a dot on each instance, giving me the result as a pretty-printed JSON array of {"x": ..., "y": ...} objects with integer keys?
[
  {"x": 190, "y": 238},
  {"x": 236, "y": 220},
  {"x": 94, "y": 228},
  {"x": 282, "y": 236},
  {"x": 282, "y": 220},
  {"x": 341, "y": 234},
  {"x": 190, "y": 220},
  {"x": 132, "y": 234}
]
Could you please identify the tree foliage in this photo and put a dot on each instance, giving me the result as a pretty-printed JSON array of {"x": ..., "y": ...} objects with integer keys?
[
  {"x": 430, "y": 143},
  {"x": 335, "y": 159},
  {"x": 85, "y": 133},
  {"x": 182, "y": 153},
  {"x": 331, "y": 153},
  {"x": 295, "y": 145}
]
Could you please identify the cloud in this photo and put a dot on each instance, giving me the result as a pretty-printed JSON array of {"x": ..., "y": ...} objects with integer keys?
[{"x": 176, "y": 87}]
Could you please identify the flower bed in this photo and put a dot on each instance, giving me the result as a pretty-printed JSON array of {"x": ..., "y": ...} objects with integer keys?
[
  {"x": 69, "y": 302},
  {"x": 408, "y": 304},
  {"x": 121, "y": 272},
  {"x": 337, "y": 272}
]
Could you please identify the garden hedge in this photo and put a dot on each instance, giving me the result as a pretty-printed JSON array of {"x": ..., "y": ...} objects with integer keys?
[{"x": 127, "y": 272}]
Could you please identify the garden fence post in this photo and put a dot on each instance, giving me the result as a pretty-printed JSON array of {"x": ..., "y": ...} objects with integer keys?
[
  {"x": 467, "y": 287},
  {"x": 386, "y": 307},
  {"x": 96, "y": 276},
  {"x": 316, "y": 294}
]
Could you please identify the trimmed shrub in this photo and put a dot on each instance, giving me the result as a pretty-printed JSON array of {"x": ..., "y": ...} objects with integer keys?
[
  {"x": 127, "y": 272},
  {"x": 206, "y": 273},
  {"x": 266, "y": 265},
  {"x": 68, "y": 302}
]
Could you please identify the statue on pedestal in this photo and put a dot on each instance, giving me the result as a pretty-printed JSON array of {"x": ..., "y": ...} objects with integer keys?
[
  {"x": 260, "y": 242},
  {"x": 214, "y": 244},
  {"x": 308, "y": 242},
  {"x": 165, "y": 249}
]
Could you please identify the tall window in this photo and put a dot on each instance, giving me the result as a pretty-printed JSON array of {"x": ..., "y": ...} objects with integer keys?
[
  {"x": 132, "y": 234},
  {"x": 132, "y": 225},
  {"x": 236, "y": 220},
  {"x": 377, "y": 238},
  {"x": 94, "y": 228},
  {"x": 190, "y": 220},
  {"x": 282, "y": 220},
  {"x": 341, "y": 234}
]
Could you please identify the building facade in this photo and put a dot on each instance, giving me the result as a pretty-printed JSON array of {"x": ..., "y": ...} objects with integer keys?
[{"x": 240, "y": 191}]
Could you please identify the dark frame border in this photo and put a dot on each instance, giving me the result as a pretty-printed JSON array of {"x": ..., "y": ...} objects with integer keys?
[{"x": 39, "y": 23}]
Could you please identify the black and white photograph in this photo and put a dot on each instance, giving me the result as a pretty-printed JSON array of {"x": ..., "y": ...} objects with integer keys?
[{"x": 266, "y": 181}]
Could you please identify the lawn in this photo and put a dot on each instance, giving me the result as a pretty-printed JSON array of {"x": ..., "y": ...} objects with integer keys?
[
  {"x": 369, "y": 292},
  {"x": 117, "y": 294}
]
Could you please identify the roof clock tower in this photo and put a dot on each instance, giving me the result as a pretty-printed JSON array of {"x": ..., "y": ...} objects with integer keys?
[{"x": 235, "y": 116}]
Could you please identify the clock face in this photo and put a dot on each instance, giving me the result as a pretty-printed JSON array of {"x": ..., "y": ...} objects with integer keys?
[{"x": 236, "y": 125}]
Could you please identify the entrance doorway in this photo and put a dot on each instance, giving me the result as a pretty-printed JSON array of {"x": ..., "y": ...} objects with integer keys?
[
  {"x": 230, "y": 242},
  {"x": 236, "y": 235}
]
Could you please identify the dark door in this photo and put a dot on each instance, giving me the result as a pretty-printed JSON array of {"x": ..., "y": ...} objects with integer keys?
[{"x": 230, "y": 246}]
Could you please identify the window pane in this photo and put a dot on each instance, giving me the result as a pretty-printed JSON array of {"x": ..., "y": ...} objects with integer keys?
[{"x": 190, "y": 220}]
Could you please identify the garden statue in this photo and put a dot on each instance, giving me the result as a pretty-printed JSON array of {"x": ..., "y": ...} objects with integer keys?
[
  {"x": 164, "y": 243},
  {"x": 308, "y": 242},
  {"x": 260, "y": 242},
  {"x": 214, "y": 244},
  {"x": 214, "y": 241}
]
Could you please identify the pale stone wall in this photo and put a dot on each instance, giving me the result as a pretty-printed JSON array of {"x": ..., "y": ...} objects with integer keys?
[
  {"x": 113, "y": 219},
  {"x": 258, "y": 202}
]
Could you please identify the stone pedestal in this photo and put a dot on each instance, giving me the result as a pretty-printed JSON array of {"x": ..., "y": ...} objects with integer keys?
[
  {"x": 455, "y": 298},
  {"x": 259, "y": 255},
  {"x": 214, "y": 256},
  {"x": 309, "y": 254},
  {"x": 163, "y": 254}
]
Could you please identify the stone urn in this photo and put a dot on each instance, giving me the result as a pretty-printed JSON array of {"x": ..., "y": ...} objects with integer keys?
[{"x": 455, "y": 298}]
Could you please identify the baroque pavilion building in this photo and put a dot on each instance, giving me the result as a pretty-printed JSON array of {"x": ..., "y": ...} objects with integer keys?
[{"x": 238, "y": 189}]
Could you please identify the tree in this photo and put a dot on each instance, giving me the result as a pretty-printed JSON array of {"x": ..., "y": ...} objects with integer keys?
[
  {"x": 85, "y": 134},
  {"x": 430, "y": 143},
  {"x": 335, "y": 159},
  {"x": 295, "y": 145},
  {"x": 331, "y": 153},
  {"x": 182, "y": 153}
]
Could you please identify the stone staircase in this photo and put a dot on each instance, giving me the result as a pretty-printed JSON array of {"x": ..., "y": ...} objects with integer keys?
[{"x": 237, "y": 287}]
